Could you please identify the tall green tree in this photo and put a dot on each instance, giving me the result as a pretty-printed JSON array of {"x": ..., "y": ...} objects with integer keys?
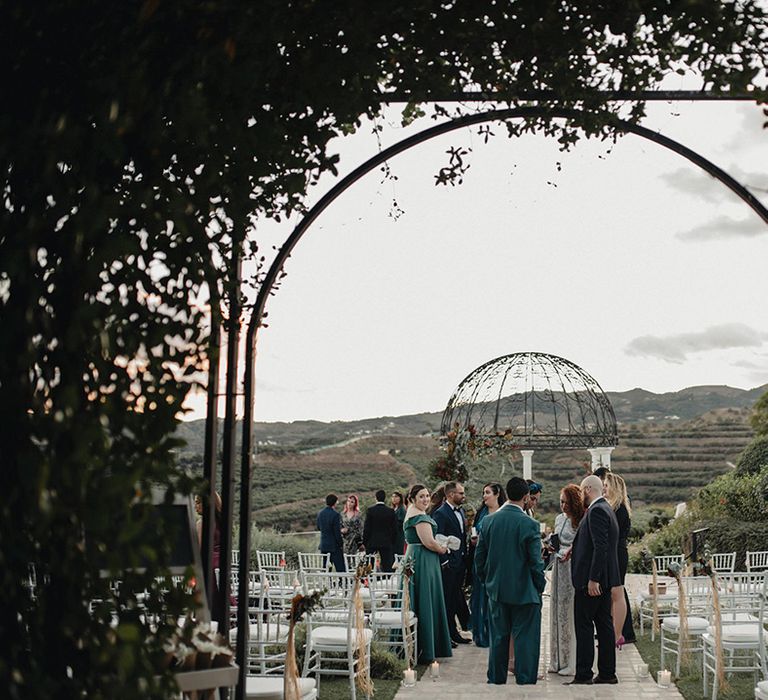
[{"x": 139, "y": 144}]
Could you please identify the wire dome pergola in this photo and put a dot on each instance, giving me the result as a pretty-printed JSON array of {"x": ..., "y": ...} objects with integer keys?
[{"x": 531, "y": 400}]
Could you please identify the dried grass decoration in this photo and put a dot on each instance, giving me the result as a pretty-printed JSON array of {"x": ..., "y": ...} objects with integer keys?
[
  {"x": 717, "y": 612},
  {"x": 363, "y": 678},
  {"x": 300, "y": 604},
  {"x": 407, "y": 571},
  {"x": 683, "y": 636},
  {"x": 655, "y": 573}
]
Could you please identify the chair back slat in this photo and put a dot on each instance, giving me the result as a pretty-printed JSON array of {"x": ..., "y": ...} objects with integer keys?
[
  {"x": 317, "y": 562},
  {"x": 724, "y": 562},
  {"x": 270, "y": 560},
  {"x": 757, "y": 561},
  {"x": 664, "y": 561}
]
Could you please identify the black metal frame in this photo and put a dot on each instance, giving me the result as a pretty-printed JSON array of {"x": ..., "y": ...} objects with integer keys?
[
  {"x": 267, "y": 286},
  {"x": 532, "y": 400}
]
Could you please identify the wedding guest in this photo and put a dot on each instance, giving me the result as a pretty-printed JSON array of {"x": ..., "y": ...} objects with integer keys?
[
  {"x": 398, "y": 505},
  {"x": 380, "y": 531},
  {"x": 508, "y": 559},
  {"x": 562, "y": 633},
  {"x": 352, "y": 525},
  {"x": 616, "y": 495},
  {"x": 534, "y": 497},
  {"x": 493, "y": 498},
  {"x": 437, "y": 499},
  {"x": 217, "y": 612},
  {"x": 329, "y": 524},
  {"x": 451, "y": 520},
  {"x": 426, "y": 586},
  {"x": 594, "y": 572}
]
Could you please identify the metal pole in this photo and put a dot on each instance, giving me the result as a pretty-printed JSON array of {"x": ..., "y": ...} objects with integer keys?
[
  {"x": 228, "y": 444},
  {"x": 209, "y": 451}
]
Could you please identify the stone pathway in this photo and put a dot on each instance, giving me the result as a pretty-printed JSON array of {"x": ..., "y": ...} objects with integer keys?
[{"x": 463, "y": 677}]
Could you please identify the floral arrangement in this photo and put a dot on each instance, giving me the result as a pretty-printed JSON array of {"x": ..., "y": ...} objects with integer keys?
[
  {"x": 196, "y": 647},
  {"x": 457, "y": 445},
  {"x": 300, "y": 606}
]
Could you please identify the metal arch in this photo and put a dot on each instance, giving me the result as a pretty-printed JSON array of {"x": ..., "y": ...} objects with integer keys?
[{"x": 309, "y": 218}]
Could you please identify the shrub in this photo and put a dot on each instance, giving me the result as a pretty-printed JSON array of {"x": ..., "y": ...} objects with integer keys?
[
  {"x": 754, "y": 457},
  {"x": 385, "y": 664},
  {"x": 670, "y": 539},
  {"x": 734, "y": 496},
  {"x": 733, "y": 535},
  {"x": 271, "y": 541}
]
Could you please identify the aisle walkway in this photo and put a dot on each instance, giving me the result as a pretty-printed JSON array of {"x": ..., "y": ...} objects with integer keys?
[{"x": 463, "y": 677}]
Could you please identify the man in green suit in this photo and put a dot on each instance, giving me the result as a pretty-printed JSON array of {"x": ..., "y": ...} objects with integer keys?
[{"x": 508, "y": 559}]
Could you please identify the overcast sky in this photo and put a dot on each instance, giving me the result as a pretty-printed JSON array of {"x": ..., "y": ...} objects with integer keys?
[{"x": 625, "y": 258}]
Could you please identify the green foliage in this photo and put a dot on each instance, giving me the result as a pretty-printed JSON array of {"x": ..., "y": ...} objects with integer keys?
[
  {"x": 754, "y": 457},
  {"x": 759, "y": 417},
  {"x": 734, "y": 496},
  {"x": 386, "y": 664},
  {"x": 735, "y": 535}
]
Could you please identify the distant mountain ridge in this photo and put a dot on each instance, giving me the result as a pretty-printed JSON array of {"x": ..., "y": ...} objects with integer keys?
[{"x": 633, "y": 406}]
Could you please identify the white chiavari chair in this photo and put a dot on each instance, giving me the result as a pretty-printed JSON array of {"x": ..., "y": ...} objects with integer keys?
[{"x": 333, "y": 645}]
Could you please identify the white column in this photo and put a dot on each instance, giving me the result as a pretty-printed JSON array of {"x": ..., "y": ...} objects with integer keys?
[
  {"x": 601, "y": 457},
  {"x": 527, "y": 463},
  {"x": 605, "y": 456}
]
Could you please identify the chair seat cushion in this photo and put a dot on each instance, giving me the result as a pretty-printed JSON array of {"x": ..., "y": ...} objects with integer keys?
[
  {"x": 695, "y": 624},
  {"x": 271, "y": 687},
  {"x": 737, "y": 633},
  {"x": 392, "y": 618},
  {"x": 336, "y": 636}
]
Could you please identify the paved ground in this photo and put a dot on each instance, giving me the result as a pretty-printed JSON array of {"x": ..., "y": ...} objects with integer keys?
[{"x": 463, "y": 677}]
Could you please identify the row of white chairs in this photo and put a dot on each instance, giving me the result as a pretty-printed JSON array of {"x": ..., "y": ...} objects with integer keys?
[
  {"x": 723, "y": 564},
  {"x": 741, "y": 626},
  {"x": 333, "y": 644}
]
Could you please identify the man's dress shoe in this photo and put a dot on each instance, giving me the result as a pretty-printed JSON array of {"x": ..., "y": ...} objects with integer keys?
[
  {"x": 453, "y": 644},
  {"x": 460, "y": 640},
  {"x": 579, "y": 681},
  {"x": 608, "y": 681}
]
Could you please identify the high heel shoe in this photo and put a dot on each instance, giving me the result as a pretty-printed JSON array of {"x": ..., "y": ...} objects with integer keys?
[{"x": 620, "y": 642}]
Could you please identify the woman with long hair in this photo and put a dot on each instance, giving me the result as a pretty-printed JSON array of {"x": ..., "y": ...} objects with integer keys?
[
  {"x": 493, "y": 498},
  {"x": 562, "y": 637},
  {"x": 352, "y": 525},
  {"x": 616, "y": 495},
  {"x": 399, "y": 507},
  {"x": 426, "y": 584}
]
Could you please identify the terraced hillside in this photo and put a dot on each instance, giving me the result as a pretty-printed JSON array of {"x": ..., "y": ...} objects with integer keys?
[
  {"x": 289, "y": 488},
  {"x": 664, "y": 462},
  {"x": 668, "y": 461}
]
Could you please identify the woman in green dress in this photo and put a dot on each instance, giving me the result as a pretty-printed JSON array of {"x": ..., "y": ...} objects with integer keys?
[{"x": 426, "y": 585}]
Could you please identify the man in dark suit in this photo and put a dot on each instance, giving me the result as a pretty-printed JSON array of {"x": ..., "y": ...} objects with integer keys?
[
  {"x": 594, "y": 571},
  {"x": 380, "y": 531},
  {"x": 451, "y": 520},
  {"x": 329, "y": 524},
  {"x": 508, "y": 560}
]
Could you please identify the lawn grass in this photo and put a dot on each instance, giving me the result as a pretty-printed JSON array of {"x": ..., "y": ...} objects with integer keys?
[
  {"x": 338, "y": 688},
  {"x": 741, "y": 686}
]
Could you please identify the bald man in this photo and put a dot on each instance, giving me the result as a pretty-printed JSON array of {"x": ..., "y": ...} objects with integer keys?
[{"x": 594, "y": 571}]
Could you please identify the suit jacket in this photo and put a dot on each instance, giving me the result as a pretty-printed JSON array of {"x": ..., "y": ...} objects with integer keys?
[
  {"x": 508, "y": 557},
  {"x": 380, "y": 527},
  {"x": 594, "y": 556},
  {"x": 329, "y": 524},
  {"x": 448, "y": 524}
]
